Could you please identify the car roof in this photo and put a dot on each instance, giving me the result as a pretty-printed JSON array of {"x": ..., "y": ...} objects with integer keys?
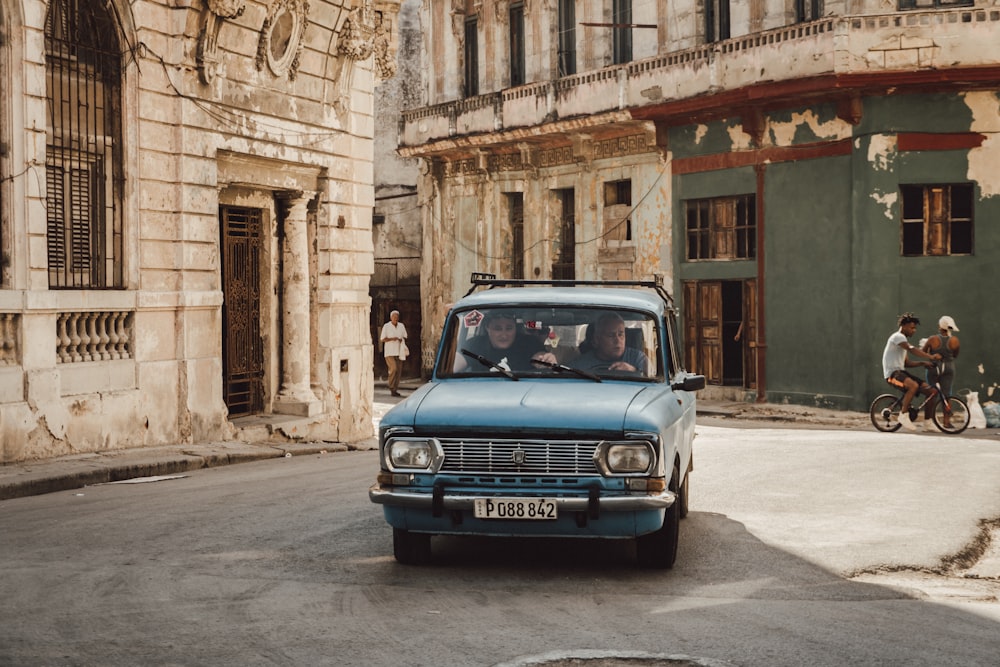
[{"x": 613, "y": 297}]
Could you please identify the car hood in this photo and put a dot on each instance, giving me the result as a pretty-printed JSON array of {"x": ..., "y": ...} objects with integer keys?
[{"x": 535, "y": 406}]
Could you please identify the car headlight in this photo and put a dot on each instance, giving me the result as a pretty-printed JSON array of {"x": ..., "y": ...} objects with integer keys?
[
  {"x": 413, "y": 454},
  {"x": 623, "y": 458}
]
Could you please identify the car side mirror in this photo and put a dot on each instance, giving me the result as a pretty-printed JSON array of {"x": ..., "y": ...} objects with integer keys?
[{"x": 690, "y": 383}]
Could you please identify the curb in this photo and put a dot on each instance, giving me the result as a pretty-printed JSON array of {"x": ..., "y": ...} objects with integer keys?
[{"x": 67, "y": 473}]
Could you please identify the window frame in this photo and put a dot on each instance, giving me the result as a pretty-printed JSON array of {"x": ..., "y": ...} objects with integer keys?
[
  {"x": 938, "y": 230},
  {"x": 516, "y": 44},
  {"x": 566, "y": 50},
  {"x": 471, "y": 56},
  {"x": 714, "y": 233},
  {"x": 621, "y": 37},
  {"x": 85, "y": 225}
]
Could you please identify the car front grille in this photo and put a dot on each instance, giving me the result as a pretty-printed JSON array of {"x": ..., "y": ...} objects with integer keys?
[{"x": 519, "y": 457}]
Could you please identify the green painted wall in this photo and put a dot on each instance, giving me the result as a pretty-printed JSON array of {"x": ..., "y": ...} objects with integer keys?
[
  {"x": 834, "y": 277},
  {"x": 807, "y": 281}
]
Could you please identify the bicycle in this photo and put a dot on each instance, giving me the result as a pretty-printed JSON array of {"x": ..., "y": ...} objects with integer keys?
[{"x": 950, "y": 416}]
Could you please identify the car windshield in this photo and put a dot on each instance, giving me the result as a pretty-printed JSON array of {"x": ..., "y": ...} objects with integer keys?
[{"x": 552, "y": 341}]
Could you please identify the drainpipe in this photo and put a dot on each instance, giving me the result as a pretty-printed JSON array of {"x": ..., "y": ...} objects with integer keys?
[{"x": 761, "y": 355}]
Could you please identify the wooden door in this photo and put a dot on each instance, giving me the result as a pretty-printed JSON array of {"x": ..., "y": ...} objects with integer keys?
[
  {"x": 242, "y": 347},
  {"x": 703, "y": 328}
]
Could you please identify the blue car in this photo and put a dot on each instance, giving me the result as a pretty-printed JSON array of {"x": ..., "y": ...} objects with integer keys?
[{"x": 556, "y": 408}]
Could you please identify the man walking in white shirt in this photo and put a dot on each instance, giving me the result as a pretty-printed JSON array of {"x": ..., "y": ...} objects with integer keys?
[{"x": 393, "y": 339}]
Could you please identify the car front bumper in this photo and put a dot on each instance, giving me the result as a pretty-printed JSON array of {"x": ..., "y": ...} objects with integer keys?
[{"x": 397, "y": 497}]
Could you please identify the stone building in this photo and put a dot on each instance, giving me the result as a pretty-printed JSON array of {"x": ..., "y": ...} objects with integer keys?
[
  {"x": 800, "y": 172},
  {"x": 185, "y": 199}
]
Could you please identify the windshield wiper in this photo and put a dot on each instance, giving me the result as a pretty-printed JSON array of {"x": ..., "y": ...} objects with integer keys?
[
  {"x": 567, "y": 369},
  {"x": 490, "y": 364}
]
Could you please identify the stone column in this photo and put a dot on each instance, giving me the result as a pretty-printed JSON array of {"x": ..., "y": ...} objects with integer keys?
[{"x": 296, "y": 396}]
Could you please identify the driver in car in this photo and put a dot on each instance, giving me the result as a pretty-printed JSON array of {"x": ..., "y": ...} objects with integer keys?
[{"x": 608, "y": 350}]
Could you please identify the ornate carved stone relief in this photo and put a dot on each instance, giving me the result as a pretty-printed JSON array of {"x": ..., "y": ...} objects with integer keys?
[
  {"x": 216, "y": 11},
  {"x": 367, "y": 32},
  {"x": 281, "y": 35}
]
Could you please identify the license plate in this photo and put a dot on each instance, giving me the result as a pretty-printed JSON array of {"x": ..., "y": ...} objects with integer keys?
[{"x": 515, "y": 508}]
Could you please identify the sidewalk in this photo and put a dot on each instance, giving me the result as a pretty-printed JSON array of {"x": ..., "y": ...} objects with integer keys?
[{"x": 73, "y": 472}]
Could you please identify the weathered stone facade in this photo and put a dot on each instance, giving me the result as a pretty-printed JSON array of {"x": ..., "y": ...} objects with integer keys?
[
  {"x": 230, "y": 127},
  {"x": 742, "y": 154}
]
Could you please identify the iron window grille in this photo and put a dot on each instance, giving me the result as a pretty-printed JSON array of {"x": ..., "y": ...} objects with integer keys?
[{"x": 83, "y": 161}]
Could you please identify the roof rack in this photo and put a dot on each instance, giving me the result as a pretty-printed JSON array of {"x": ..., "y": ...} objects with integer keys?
[{"x": 490, "y": 280}]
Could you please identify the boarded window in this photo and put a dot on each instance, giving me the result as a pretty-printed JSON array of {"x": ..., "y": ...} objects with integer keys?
[
  {"x": 618, "y": 210},
  {"x": 721, "y": 228},
  {"x": 937, "y": 219},
  {"x": 83, "y": 158}
]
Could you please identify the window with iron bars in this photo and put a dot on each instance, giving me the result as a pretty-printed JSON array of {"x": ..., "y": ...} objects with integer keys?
[
  {"x": 937, "y": 219},
  {"x": 83, "y": 160},
  {"x": 722, "y": 228}
]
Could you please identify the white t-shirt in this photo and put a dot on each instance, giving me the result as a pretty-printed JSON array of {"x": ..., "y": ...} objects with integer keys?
[
  {"x": 894, "y": 356},
  {"x": 390, "y": 348}
]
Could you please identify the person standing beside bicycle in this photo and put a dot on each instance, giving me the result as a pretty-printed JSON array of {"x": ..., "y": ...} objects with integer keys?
[
  {"x": 945, "y": 343},
  {"x": 895, "y": 361}
]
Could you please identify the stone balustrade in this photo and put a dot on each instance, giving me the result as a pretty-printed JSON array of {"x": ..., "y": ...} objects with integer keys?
[
  {"x": 93, "y": 336},
  {"x": 862, "y": 44}
]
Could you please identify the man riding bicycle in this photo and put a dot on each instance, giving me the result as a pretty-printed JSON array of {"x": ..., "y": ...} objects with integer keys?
[{"x": 895, "y": 362}]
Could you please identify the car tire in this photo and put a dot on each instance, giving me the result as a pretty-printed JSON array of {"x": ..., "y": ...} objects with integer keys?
[
  {"x": 682, "y": 497},
  {"x": 411, "y": 548},
  {"x": 659, "y": 549}
]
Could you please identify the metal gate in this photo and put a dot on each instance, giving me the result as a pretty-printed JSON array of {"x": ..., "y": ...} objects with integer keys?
[
  {"x": 242, "y": 347},
  {"x": 396, "y": 286}
]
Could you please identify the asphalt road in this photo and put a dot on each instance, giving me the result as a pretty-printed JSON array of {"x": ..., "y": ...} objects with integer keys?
[{"x": 820, "y": 547}]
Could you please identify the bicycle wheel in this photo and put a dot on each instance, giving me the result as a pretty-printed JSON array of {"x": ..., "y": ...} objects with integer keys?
[
  {"x": 884, "y": 413},
  {"x": 955, "y": 419}
]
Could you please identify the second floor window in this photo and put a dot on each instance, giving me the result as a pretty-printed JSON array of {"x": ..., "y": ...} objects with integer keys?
[
  {"x": 716, "y": 20},
  {"x": 567, "y": 37},
  {"x": 930, "y": 4},
  {"x": 722, "y": 228},
  {"x": 471, "y": 57},
  {"x": 937, "y": 219},
  {"x": 83, "y": 157},
  {"x": 808, "y": 10},
  {"x": 517, "y": 44},
  {"x": 622, "y": 31}
]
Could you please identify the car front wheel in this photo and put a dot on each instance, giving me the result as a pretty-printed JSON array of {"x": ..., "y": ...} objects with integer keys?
[
  {"x": 659, "y": 549},
  {"x": 411, "y": 548}
]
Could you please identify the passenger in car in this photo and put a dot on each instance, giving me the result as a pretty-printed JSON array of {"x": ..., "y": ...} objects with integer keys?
[
  {"x": 605, "y": 349},
  {"x": 504, "y": 345}
]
